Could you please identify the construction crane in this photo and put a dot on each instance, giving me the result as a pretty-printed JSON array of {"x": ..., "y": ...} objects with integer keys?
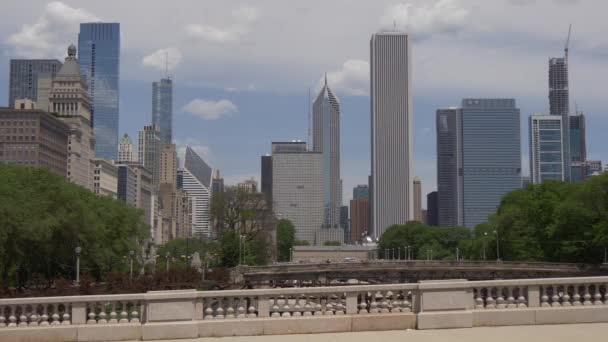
[{"x": 568, "y": 41}]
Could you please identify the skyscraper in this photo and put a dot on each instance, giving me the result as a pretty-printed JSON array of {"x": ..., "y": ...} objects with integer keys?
[
  {"x": 99, "y": 53},
  {"x": 168, "y": 165},
  {"x": 449, "y": 167},
  {"x": 217, "y": 183},
  {"x": 478, "y": 159},
  {"x": 418, "y": 200},
  {"x": 70, "y": 101},
  {"x": 197, "y": 184},
  {"x": 149, "y": 151},
  {"x": 391, "y": 130},
  {"x": 578, "y": 147},
  {"x": 297, "y": 187},
  {"x": 559, "y": 101},
  {"x": 162, "y": 108},
  {"x": 23, "y": 78},
  {"x": 125, "y": 150},
  {"x": 432, "y": 210},
  {"x": 326, "y": 140},
  {"x": 344, "y": 224},
  {"x": 359, "y": 218},
  {"x": 546, "y": 149},
  {"x": 266, "y": 178},
  {"x": 361, "y": 191}
]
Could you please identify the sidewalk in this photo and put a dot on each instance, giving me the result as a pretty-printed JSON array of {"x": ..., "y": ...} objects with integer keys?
[{"x": 534, "y": 333}]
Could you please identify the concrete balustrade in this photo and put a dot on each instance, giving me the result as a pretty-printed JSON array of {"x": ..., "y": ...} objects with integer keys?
[{"x": 191, "y": 313}]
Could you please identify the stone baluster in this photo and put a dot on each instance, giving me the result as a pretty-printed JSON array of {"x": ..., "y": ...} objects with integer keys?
[
  {"x": 362, "y": 304},
  {"x": 240, "y": 309},
  {"x": 340, "y": 305},
  {"x": 35, "y": 317},
  {"x": 286, "y": 307},
  {"x": 576, "y": 297},
  {"x": 113, "y": 314},
  {"x": 555, "y": 296},
  {"x": 66, "y": 318},
  {"x": 208, "y": 313},
  {"x": 597, "y": 295},
  {"x": 587, "y": 296},
  {"x": 44, "y": 318},
  {"x": 373, "y": 306},
  {"x": 500, "y": 299},
  {"x": 329, "y": 308},
  {"x": 2, "y": 317},
  {"x": 407, "y": 304},
  {"x": 605, "y": 295},
  {"x": 274, "y": 309},
  {"x": 566, "y": 296},
  {"x": 124, "y": 315},
  {"x": 91, "y": 308},
  {"x": 135, "y": 312},
  {"x": 251, "y": 311},
  {"x": 219, "y": 311},
  {"x": 230, "y": 312},
  {"x": 544, "y": 299},
  {"x": 12, "y": 318},
  {"x": 383, "y": 303},
  {"x": 308, "y": 309},
  {"x": 396, "y": 303},
  {"x": 521, "y": 300},
  {"x": 510, "y": 298},
  {"x": 479, "y": 305},
  {"x": 55, "y": 318},
  {"x": 22, "y": 316},
  {"x": 318, "y": 307},
  {"x": 297, "y": 306},
  {"x": 102, "y": 314}
]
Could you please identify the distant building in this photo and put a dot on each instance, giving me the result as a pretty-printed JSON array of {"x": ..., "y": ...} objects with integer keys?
[
  {"x": 432, "y": 209},
  {"x": 70, "y": 101},
  {"x": 391, "y": 130},
  {"x": 266, "y": 178},
  {"x": 33, "y": 138},
  {"x": 146, "y": 195},
  {"x": 217, "y": 185},
  {"x": 127, "y": 185},
  {"x": 326, "y": 140},
  {"x": 249, "y": 185},
  {"x": 361, "y": 191},
  {"x": 197, "y": 184},
  {"x": 359, "y": 218},
  {"x": 105, "y": 178},
  {"x": 418, "y": 200},
  {"x": 162, "y": 108},
  {"x": 546, "y": 149},
  {"x": 297, "y": 187},
  {"x": 99, "y": 54},
  {"x": 593, "y": 168},
  {"x": 578, "y": 147},
  {"x": 44, "y": 87},
  {"x": 478, "y": 159},
  {"x": 150, "y": 151},
  {"x": 525, "y": 181},
  {"x": 168, "y": 165},
  {"x": 24, "y": 75},
  {"x": 125, "y": 150},
  {"x": 559, "y": 102},
  {"x": 344, "y": 222}
]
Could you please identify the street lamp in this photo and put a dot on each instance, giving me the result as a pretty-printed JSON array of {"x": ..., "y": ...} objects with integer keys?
[
  {"x": 497, "y": 248},
  {"x": 167, "y": 258},
  {"x": 131, "y": 254},
  {"x": 78, "y": 250},
  {"x": 484, "y": 245},
  {"x": 290, "y": 254},
  {"x": 241, "y": 246},
  {"x": 399, "y": 253}
]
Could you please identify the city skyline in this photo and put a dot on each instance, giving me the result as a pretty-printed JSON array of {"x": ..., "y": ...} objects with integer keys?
[{"x": 241, "y": 162}]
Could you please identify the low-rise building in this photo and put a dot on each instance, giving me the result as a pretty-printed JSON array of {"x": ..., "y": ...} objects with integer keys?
[
  {"x": 105, "y": 177},
  {"x": 333, "y": 253}
]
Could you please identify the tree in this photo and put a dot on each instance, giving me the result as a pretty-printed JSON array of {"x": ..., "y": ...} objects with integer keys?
[
  {"x": 301, "y": 243},
  {"x": 286, "y": 236},
  {"x": 245, "y": 226},
  {"x": 43, "y": 218},
  {"x": 181, "y": 249},
  {"x": 332, "y": 243}
]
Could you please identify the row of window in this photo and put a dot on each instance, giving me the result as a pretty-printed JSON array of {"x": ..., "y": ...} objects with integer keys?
[
  {"x": 17, "y": 130},
  {"x": 18, "y": 123},
  {"x": 17, "y": 138}
]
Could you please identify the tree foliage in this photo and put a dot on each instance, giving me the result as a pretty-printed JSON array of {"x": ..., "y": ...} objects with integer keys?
[
  {"x": 43, "y": 218},
  {"x": 332, "y": 243},
  {"x": 286, "y": 237},
  {"x": 245, "y": 226}
]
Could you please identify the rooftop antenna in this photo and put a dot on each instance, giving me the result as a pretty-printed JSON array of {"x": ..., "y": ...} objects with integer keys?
[
  {"x": 568, "y": 41},
  {"x": 309, "y": 121}
]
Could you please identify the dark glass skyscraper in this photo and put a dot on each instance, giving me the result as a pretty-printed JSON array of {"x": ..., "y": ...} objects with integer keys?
[
  {"x": 162, "y": 108},
  {"x": 578, "y": 148},
  {"x": 99, "y": 57},
  {"x": 23, "y": 82},
  {"x": 559, "y": 102},
  {"x": 267, "y": 179}
]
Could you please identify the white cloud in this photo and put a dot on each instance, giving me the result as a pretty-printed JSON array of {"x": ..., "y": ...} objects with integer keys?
[
  {"x": 50, "y": 35},
  {"x": 243, "y": 17},
  {"x": 158, "y": 58},
  {"x": 209, "y": 109},
  {"x": 351, "y": 79},
  {"x": 443, "y": 16}
]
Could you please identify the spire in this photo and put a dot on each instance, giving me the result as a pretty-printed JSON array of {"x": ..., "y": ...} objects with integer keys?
[{"x": 326, "y": 78}]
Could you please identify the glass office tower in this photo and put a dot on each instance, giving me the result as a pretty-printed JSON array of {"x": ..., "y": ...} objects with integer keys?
[
  {"x": 546, "y": 149},
  {"x": 99, "y": 57},
  {"x": 162, "y": 108}
]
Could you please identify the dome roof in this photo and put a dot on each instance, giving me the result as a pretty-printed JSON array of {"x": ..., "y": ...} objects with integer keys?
[{"x": 71, "y": 68}]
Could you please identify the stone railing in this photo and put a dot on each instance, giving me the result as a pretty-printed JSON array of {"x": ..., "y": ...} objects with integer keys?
[{"x": 191, "y": 313}]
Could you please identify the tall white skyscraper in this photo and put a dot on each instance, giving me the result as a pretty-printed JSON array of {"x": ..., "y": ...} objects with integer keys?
[
  {"x": 326, "y": 140},
  {"x": 125, "y": 150},
  {"x": 546, "y": 148},
  {"x": 196, "y": 181},
  {"x": 391, "y": 130}
]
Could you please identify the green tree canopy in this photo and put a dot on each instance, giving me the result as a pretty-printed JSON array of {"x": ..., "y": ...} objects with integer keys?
[
  {"x": 286, "y": 237},
  {"x": 332, "y": 243},
  {"x": 43, "y": 218}
]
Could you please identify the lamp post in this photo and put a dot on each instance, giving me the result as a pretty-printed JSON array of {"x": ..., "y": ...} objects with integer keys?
[
  {"x": 241, "y": 247},
  {"x": 399, "y": 253},
  {"x": 78, "y": 250},
  {"x": 457, "y": 254},
  {"x": 410, "y": 253},
  {"x": 131, "y": 254},
  {"x": 497, "y": 248},
  {"x": 484, "y": 245},
  {"x": 290, "y": 254},
  {"x": 167, "y": 257}
]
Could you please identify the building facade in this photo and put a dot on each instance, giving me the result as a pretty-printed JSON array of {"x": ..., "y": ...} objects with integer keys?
[
  {"x": 432, "y": 209},
  {"x": 250, "y": 185},
  {"x": 149, "y": 152},
  {"x": 418, "y": 200},
  {"x": 33, "y": 138},
  {"x": 162, "y": 108},
  {"x": 578, "y": 147},
  {"x": 196, "y": 176},
  {"x": 391, "y": 130},
  {"x": 99, "y": 54},
  {"x": 146, "y": 195},
  {"x": 266, "y": 178},
  {"x": 127, "y": 185},
  {"x": 559, "y": 102},
  {"x": 105, "y": 178},
  {"x": 70, "y": 101},
  {"x": 546, "y": 149},
  {"x": 344, "y": 222},
  {"x": 449, "y": 167},
  {"x": 361, "y": 191},
  {"x": 593, "y": 168},
  {"x": 326, "y": 140},
  {"x": 359, "y": 218},
  {"x": 168, "y": 165},
  {"x": 125, "y": 150},
  {"x": 297, "y": 187},
  {"x": 23, "y": 77},
  {"x": 478, "y": 159},
  {"x": 217, "y": 183}
]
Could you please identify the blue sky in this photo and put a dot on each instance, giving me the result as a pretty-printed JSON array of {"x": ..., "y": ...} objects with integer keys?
[{"x": 242, "y": 70}]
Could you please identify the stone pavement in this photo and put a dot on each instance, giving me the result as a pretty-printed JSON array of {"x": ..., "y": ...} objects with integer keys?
[{"x": 532, "y": 333}]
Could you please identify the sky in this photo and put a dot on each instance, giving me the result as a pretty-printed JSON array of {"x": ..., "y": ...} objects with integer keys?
[{"x": 242, "y": 70}]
